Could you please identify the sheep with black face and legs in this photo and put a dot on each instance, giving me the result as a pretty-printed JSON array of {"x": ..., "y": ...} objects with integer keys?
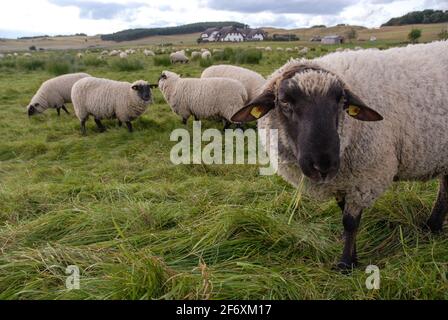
[
  {"x": 109, "y": 99},
  {"x": 351, "y": 123},
  {"x": 54, "y": 93}
]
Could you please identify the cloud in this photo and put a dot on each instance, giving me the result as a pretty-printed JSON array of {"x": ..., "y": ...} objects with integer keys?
[
  {"x": 325, "y": 7},
  {"x": 101, "y": 10}
]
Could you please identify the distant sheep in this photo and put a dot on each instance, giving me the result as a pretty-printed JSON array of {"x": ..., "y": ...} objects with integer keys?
[
  {"x": 123, "y": 55},
  {"x": 79, "y": 55},
  {"x": 54, "y": 93},
  {"x": 196, "y": 55},
  {"x": 251, "y": 80},
  {"x": 106, "y": 99},
  {"x": 27, "y": 55},
  {"x": 211, "y": 98},
  {"x": 268, "y": 49},
  {"x": 148, "y": 53},
  {"x": 206, "y": 55},
  {"x": 304, "y": 50},
  {"x": 289, "y": 50},
  {"x": 114, "y": 53},
  {"x": 178, "y": 57},
  {"x": 340, "y": 155}
]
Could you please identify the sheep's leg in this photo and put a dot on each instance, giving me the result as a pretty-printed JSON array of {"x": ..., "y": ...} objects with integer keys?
[
  {"x": 184, "y": 120},
  {"x": 129, "y": 125},
  {"x": 120, "y": 124},
  {"x": 196, "y": 118},
  {"x": 58, "y": 109},
  {"x": 351, "y": 220},
  {"x": 100, "y": 126},
  {"x": 83, "y": 127},
  {"x": 65, "y": 109},
  {"x": 435, "y": 221},
  {"x": 226, "y": 124}
]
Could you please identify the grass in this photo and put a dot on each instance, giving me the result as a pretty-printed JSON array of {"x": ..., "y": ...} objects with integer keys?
[{"x": 139, "y": 227}]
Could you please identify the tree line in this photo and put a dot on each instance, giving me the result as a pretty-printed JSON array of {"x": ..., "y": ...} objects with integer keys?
[{"x": 419, "y": 17}]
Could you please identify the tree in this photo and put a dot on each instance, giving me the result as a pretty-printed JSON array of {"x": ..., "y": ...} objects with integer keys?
[
  {"x": 414, "y": 35},
  {"x": 351, "y": 34},
  {"x": 443, "y": 35}
]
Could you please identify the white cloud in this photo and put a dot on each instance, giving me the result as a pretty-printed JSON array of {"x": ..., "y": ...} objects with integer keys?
[{"x": 31, "y": 17}]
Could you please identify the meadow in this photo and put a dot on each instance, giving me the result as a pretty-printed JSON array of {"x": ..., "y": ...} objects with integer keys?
[{"x": 139, "y": 227}]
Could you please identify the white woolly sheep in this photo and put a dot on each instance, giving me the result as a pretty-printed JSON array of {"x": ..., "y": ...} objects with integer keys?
[
  {"x": 211, "y": 98},
  {"x": 355, "y": 161},
  {"x": 196, "y": 54},
  {"x": 79, "y": 55},
  {"x": 104, "y": 53},
  {"x": 27, "y": 55},
  {"x": 304, "y": 50},
  {"x": 149, "y": 53},
  {"x": 123, "y": 55},
  {"x": 54, "y": 93},
  {"x": 206, "y": 55},
  {"x": 178, "y": 57},
  {"x": 114, "y": 53},
  {"x": 289, "y": 50},
  {"x": 268, "y": 49},
  {"x": 251, "y": 80},
  {"x": 108, "y": 99},
  {"x": 280, "y": 49}
]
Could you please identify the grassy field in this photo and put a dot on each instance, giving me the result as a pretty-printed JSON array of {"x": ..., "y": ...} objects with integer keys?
[{"x": 139, "y": 227}]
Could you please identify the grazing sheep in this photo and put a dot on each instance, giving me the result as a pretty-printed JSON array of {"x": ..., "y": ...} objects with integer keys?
[
  {"x": 114, "y": 53},
  {"x": 178, "y": 56},
  {"x": 106, "y": 99},
  {"x": 149, "y": 53},
  {"x": 79, "y": 55},
  {"x": 54, "y": 93},
  {"x": 268, "y": 49},
  {"x": 130, "y": 51},
  {"x": 28, "y": 55},
  {"x": 304, "y": 50},
  {"x": 320, "y": 107},
  {"x": 289, "y": 50},
  {"x": 196, "y": 55},
  {"x": 123, "y": 55},
  {"x": 211, "y": 98},
  {"x": 16, "y": 54},
  {"x": 251, "y": 80},
  {"x": 280, "y": 49},
  {"x": 204, "y": 50},
  {"x": 206, "y": 55}
]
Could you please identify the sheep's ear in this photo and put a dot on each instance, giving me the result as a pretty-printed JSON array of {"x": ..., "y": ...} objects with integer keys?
[
  {"x": 357, "y": 109},
  {"x": 255, "y": 109}
]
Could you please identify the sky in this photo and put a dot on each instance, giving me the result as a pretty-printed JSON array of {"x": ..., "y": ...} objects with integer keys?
[{"x": 54, "y": 17}]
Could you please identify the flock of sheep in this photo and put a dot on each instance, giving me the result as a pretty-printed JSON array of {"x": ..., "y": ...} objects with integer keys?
[{"x": 349, "y": 123}]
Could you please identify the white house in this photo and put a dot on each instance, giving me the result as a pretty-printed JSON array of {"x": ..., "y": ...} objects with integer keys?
[{"x": 231, "y": 34}]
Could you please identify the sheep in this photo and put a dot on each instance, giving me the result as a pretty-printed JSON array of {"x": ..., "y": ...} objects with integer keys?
[
  {"x": 178, "y": 57},
  {"x": 251, "y": 80},
  {"x": 280, "y": 49},
  {"x": 104, "y": 53},
  {"x": 105, "y": 99},
  {"x": 355, "y": 161},
  {"x": 28, "y": 55},
  {"x": 289, "y": 50},
  {"x": 123, "y": 55},
  {"x": 114, "y": 53},
  {"x": 206, "y": 55},
  {"x": 268, "y": 49},
  {"x": 196, "y": 55},
  {"x": 204, "y": 50},
  {"x": 79, "y": 55},
  {"x": 54, "y": 93},
  {"x": 148, "y": 53},
  {"x": 211, "y": 98},
  {"x": 304, "y": 50},
  {"x": 130, "y": 51}
]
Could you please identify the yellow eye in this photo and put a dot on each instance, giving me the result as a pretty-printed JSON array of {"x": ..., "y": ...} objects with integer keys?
[
  {"x": 256, "y": 112},
  {"x": 353, "y": 110}
]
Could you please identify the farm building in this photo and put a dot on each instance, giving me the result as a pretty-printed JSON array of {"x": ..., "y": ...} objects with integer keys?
[
  {"x": 332, "y": 39},
  {"x": 232, "y": 34}
]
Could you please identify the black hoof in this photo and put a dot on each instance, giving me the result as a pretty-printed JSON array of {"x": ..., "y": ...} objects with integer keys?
[
  {"x": 344, "y": 267},
  {"x": 434, "y": 227}
]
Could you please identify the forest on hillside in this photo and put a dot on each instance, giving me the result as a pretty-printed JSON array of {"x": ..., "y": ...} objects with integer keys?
[
  {"x": 419, "y": 17},
  {"x": 135, "y": 34}
]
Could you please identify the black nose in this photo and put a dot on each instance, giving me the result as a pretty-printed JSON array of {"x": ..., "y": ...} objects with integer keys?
[{"x": 325, "y": 164}]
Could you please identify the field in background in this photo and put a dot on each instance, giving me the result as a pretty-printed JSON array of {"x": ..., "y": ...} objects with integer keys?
[
  {"x": 139, "y": 227},
  {"x": 390, "y": 34}
]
